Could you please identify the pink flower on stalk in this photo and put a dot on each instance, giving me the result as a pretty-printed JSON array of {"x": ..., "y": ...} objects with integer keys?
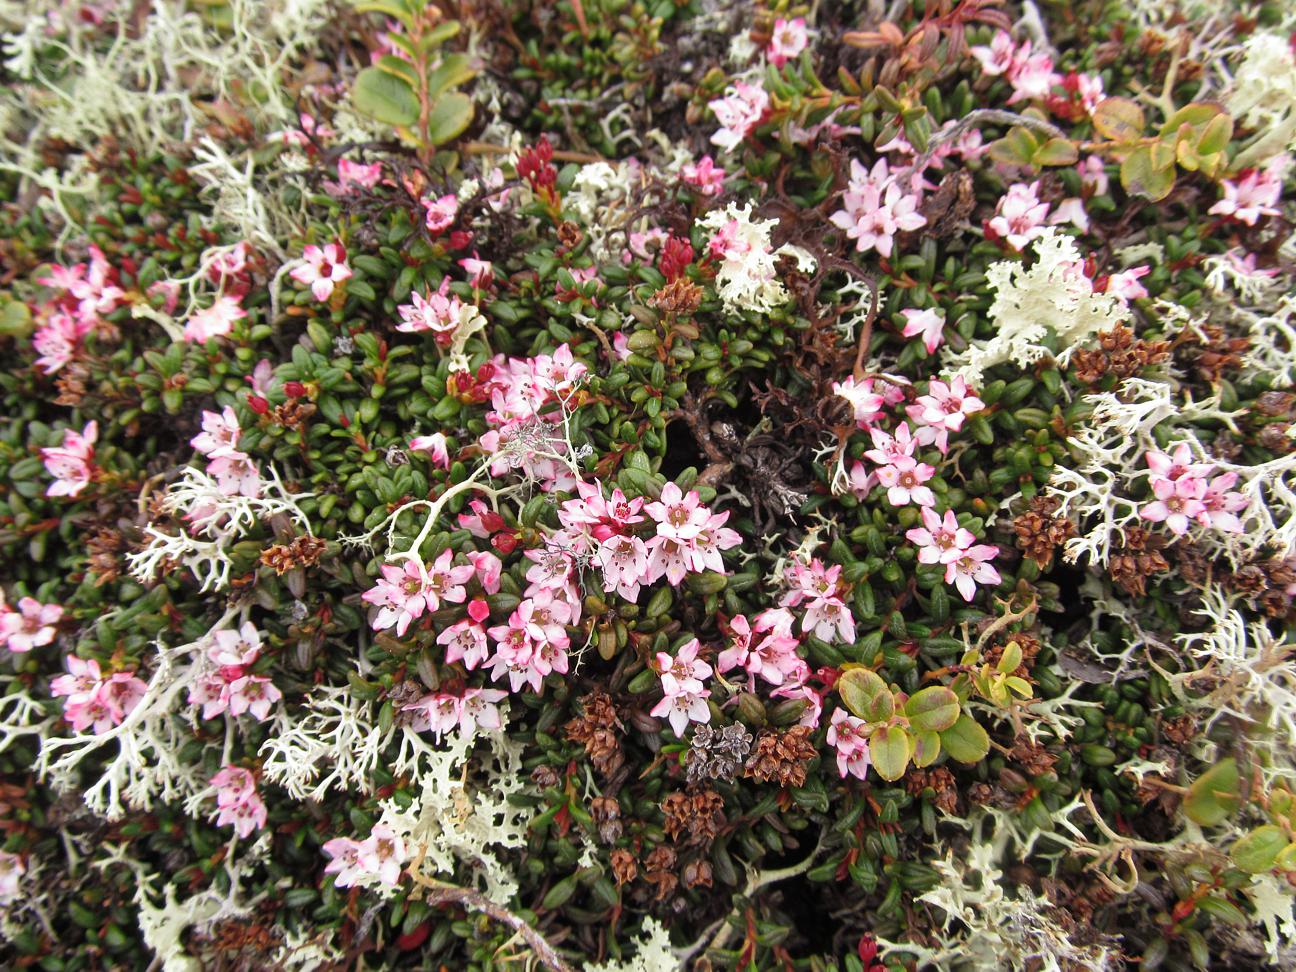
[
  {"x": 238, "y": 801},
  {"x": 846, "y": 735},
  {"x": 401, "y": 596},
  {"x": 324, "y": 268},
  {"x": 940, "y": 540},
  {"x": 972, "y": 567},
  {"x": 440, "y": 313},
  {"x": 683, "y": 708},
  {"x": 354, "y": 173},
  {"x": 905, "y": 479},
  {"x": 1254, "y": 195},
  {"x": 929, "y": 323},
  {"x": 679, "y": 516},
  {"x": 220, "y": 432},
  {"x": 942, "y": 410},
  {"x": 435, "y": 446},
  {"x": 487, "y": 568},
  {"x": 787, "y": 41},
  {"x": 478, "y": 709},
  {"x": 1178, "y": 502},
  {"x": 381, "y": 855},
  {"x": 72, "y": 463},
  {"x": 445, "y": 582},
  {"x": 874, "y": 218},
  {"x": 441, "y": 213},
  {"x": 235, "y": 474},
  {"x": 829, "y": 619},
  {"x": 684, "y": 672},
  {"x": 1020, "y": 216},
  {"x": 344, "y": 861},
  {"x": 31, "y": 626},
  {"x": 624, "y": 560},
  {"x": 860, "y": 480},
  {"x": 669, "y": 558},
  {"x": 738, "y": 112},
  {"x": 704, "y": 176},
  {"x": 705, "y": 549},
  {"x": 214, "y": 321},
  {"x": 888, "y": 449}
]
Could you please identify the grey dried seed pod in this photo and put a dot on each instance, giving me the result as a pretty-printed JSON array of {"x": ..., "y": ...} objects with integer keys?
[{"x": 717, "y": 754}]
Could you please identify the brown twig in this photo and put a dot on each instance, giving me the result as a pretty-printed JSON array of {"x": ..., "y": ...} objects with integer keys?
[{"x": 719, "y": 463}]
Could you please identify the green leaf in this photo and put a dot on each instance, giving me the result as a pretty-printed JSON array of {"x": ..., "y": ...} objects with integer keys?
[
  {"x": 385, "y": 98},
  {"x": 866, "y": 695},
  {"x": 1258, "y": 851},
  {"x": 1056, "y": 151},
  {"x": 440, "y": 34},
  {"x": 1215, "y": 137},
  {"x": 889, "y": 752},
  {"x": 1018, "y": 147},
  {"x": 932, "y": 709},
  {"x": 449, "y": 117},
  {"x": 388, "y": 8},
  {"x": 1215, "y": 795},
  {"x": 927, "y": 747},
  {"x": 966, "y": 741},
  {"x": 1119, "y": 119},
  {"x": 453, "y": 71},
  {"x": 400, "y": 69},
  {"x": 1195, "y": 115},
  {"x": 1141, "y": 177}
]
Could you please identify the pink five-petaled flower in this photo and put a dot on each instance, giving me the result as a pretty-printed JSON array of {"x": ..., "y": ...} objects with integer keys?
[
  {"x": 214, "y": 321},
  {"x": 846, "y": 735},
  {"x": 704, "y": 176},
  {"x": 80, "y": 682},
  {"x": 942, "y": 410},
  {"x": 481, "y": 273},
  {"x": 905, "y": 479},
  {"x": 1222, "y": 504},
  {"x": 788, "y": 39},
  {"x": 235, "y": 474},
  {"x": 220, "y": 432},
  {"x": 31, "y": 626},
  {"x": 401, "y": 596},
  {"x": 971, "y": 568},
  {"x": 1178, "y": 503},
  {"x": 679, "y": 516},
  {"x": 241, "y": 647},
  {"x": 1126, "y": 283},
  {"x": 866, "y": 403},
  {"x": 435, "y": 446},
  {"x": 465, "y": 641},
  {"x": 254, "y": 694},
  {"x": 684, "y": 672},
  {"x": 1020, "y": 216},
  {"x": 323, "y": 269},
  {"x": 441, "y": 213},
  {"x": 72, "y": 463},
  {"x": 738, "y": 112},
  {"x": 940, "y": 541},
  {"x": 683, "y": 708},
  {"x": 624, "y": 560},
  {"x": 440, "y": 312},
  {"x": 1177, "y": 464},
  {"x": 874, "y": 217},
  {"x": 355, "y": 173},
  {"x": 1252, "y": 196},
  {"x": 929, "y": 323}
]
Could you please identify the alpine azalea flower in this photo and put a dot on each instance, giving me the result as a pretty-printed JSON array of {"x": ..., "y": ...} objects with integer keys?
[
  {"x": 31, "y": 626},
  {"x": 787, "y": 41},
  {"x": 846, "y": 734},
  {"x": 1020, "y": 216},
  {"x": 940, "y": 540},
  {"x": 929, "y": 323},
  {"x": 441, "y": 213},
  {"x": 738, "y": 112},
  {"x": 971, "y": 568},
  {"x": 238, "y": 801},
  {"x": 435, "y": 446},
  {"x": 214, "y": 321},
  {"x": 72, "y": 463},
  {"x": 704, "y": 176},
  {"x": 1254, "y": 195},
  {"x": 323, "y": 269}
]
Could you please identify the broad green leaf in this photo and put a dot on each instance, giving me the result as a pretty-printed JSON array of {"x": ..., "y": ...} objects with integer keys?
[
  {"x": 889, "y": 752},
  {"x": 1056, "y": 151},
  {"x": 1141, "y": 178},
  {"x": 1018, "y": 147},
  {"x": 866, "y": 695},
  {"x": 453, "y": 71},
  {"x": 439, "y": 35},
  {"x": 399, "y": 68},
  {"x": 1119, "y": 119},
  {"x": 1258, "y": 851},
  {"x": 388, "y": 8},
  {"x": 1215, "y": 795},
  {"x": 927, "y": 747},
  {"x": 1020, "y": 686},
  {"x": 1215, "y": 137},
  {"x": 966, "y": 741},
  {"x": 449, "y": 117},
  {"x": 1194, "y": 115},
  {"x": 932, "y": 709},
  {"x": 385, "y": 97},
  {"x": 1011, "y": 658}
]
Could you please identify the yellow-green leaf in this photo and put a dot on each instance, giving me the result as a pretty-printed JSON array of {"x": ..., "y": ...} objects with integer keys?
[
  {"x": 1119, "y": 119},
  {"x": 449, "y": 117},
  {"x": 1141, "y": 178},
  {"x": 866, "y": 695},
  {"x": 1258, "y": 851},
  {"x": 927, "y": 747},
  {"x": 1215, "y": 137},
  {"x": 1056, "y": 151},
  {"x": 385, "y": 97},
  {"x": 966, "y": 741},
  {"x": 454, "y": 70},
  {"x": 1215, "y": 795},
  {"x": 932, "y": 709},
  {"x": 889, "y": 752}
]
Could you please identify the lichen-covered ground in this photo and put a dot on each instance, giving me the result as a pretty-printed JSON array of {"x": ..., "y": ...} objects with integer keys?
[{"x": 646, "y": 485}]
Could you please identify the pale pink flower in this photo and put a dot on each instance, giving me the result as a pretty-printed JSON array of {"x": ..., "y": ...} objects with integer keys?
[
  {"x": 1020, "y": 216},
  {"x": 1222, "y": 504},
  {"x": 684, "y": 672},
  {"x": 231, "y": 648},
  {"x": 441, "y": 213},
  {"x": 714, "y": 537},
  {"x": 465, "y": 641},
  {"x": 860, "y": 480},
  {"x": 998, "y": 58},
  {"x": 31, "y": 626},
  {"x": 1178, "y": 502},
  {"x": 1177, "y": 464},
  {"x": 1033, "y": 77},
  {"x": 479, "y": 709},
  {"x": 1093, "y": 176},
  {"x": 72, "y": 463},
  {"x": 435, "y": 446},
  {"x": 344, "y": 861},
  {"x": 738, "y": 112},
  {"x": 866, "y": 402},
  {"x": 971, "y": 568},
  {"x": 323, "y": 269},
  {"x": 679, "y": 516},
  {"x": 1071, "y": 211},
  {"x": 682, "y": 709},
  {"x": 669, "y": 558},
  {"x": 796, "y": 690},
  {"x": 439, "y": 312},
  {"x": 481, "y": 273},
  {"x": 788, "y": 39},
  {"x": 705, "y": 176},
  {"x": 235, "y": 474},
  {"x": 81, "y": 681},
  {"x": 888, "y": 449},
  {"x": 214, "y": 321},
  {"x": 874, "y": 217},
  {"x": 929, "y": 323},
  {"x": 445, "y": 581},
  {"x": 228, "y": 269},
  {"x": 57, "y": 341},
  {"x": 220, "y": 432},
  {"x": 355, "y": 173},
  {"x": 401, "y": 596},
  {"x": 904, "y": 481},
  {"x": 942, "y": 410},
  {"x": 829, "y": 619},
  {"x": 847, "y": 735},
  {"x": 1254, "y": 195},
  {"x": 237, "y": 800},
  {"x": 12, "y": 869},
  {"x": 940, "y": 541},
  {"x": 254, "y": 694},
  {"x": 624, "y": 560},
  {"x": 488, "y": 569},
  {"x": 1126, "y": 283}
]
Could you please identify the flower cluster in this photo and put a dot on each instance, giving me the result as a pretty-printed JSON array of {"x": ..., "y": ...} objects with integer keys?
[
  {"x": 72, "y": 463},
  {"x": 235, "y": 472},
  {"x": 375, "y": 860},
  {"x": 1186, "y": 493},
  {"x": 684, "y": 700},
  {"x": 941, "y": 540},
  {"x": 230, "y": 685},
  {"x": 876, "y": 207},
  {"x": 1030, "y": 73},
  {"x": 91, "y": 700},
  {"x": 84, "y": 294},
  {"x": 238, "y": 801},
  {"x": 847, "y": 735}
]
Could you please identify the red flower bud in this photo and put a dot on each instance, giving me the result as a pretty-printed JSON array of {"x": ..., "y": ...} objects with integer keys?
[
  {"x": 492, "y": 522},
  {"x": 258, "y": 404},
  {"x": 505, "y": 543},
  {"x": 294, "y": 389},
  {"x": 460, "y": 239}
]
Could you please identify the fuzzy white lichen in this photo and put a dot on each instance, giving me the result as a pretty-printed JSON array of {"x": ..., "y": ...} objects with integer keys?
[
  {"x": 747, "y": 278},
  {"x": 652, "y": 953},
  {"x": 216, "y": 521},
  {"x": 1052, "y": 295},
  {"x": 334, "y": 744},
  {"x": 1263, "y": 96}
]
